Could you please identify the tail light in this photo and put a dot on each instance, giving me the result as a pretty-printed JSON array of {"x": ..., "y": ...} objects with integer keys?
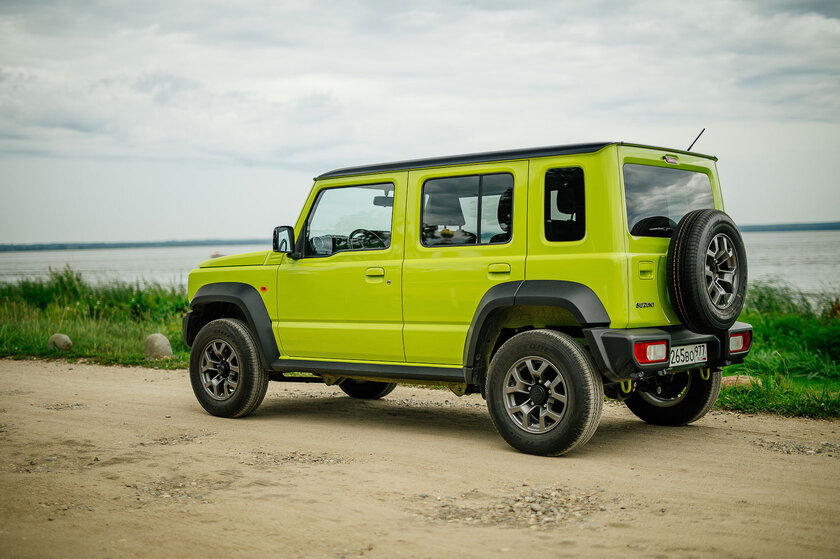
[
  {"x": 651, "y": 352},
  {"x": 739, "y": 342}
]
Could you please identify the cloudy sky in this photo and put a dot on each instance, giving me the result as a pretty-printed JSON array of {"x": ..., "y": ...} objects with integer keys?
[{"x": 187, "y": 120}]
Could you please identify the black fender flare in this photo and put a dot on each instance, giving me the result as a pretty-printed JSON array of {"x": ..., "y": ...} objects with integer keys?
[
  {"x": 248, "y": 300},
  {"x": 578, "y": 299}
]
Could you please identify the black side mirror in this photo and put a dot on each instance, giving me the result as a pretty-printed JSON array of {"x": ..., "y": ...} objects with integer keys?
[{"x": 284, "y": 240}]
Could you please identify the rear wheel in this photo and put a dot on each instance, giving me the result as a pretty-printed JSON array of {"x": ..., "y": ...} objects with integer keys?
[
  {"x": 226, "y": 372},
  {"x": 544, "y": 393},
  {"x": 676, "y": 399},
  {"x": 367, "y": 389}
]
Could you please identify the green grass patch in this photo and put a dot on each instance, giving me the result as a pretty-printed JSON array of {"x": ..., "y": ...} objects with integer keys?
[
  {"x": 783, "y": 396},
  {"x": 108, "y": 324},
  {"x": 795, "y": 353}
]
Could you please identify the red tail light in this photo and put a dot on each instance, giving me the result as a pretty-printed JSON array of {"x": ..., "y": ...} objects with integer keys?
[
  {"x": 651, "y": 352},
  {"x": 740, "y": 342}
]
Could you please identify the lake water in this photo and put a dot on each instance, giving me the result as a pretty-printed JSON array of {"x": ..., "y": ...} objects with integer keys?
[{"x": 810, "y": 260}]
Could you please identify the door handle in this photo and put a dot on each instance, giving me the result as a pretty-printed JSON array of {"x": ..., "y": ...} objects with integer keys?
[
  {"x": 499, "y": 268},
  {"x": 375, "y": 272}
]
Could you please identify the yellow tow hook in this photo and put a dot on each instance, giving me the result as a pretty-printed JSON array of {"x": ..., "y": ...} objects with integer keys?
[
  {"x": 626, "y": 386},
  {"x": 705, "y": 374}
]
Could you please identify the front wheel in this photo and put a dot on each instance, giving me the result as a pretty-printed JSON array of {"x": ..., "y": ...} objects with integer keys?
[
  {"x": 677, "y": 399},
  {"x": 544, "y": 393},
  {"x": 225, "y": 369}
]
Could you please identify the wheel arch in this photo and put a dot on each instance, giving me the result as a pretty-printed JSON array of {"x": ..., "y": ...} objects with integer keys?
[
  {"x": 232, "y": 300},
  {"x": 515, "y": 306}
]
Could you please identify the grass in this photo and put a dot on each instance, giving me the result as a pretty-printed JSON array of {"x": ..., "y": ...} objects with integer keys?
[
  {"x": 796, "y": 353},
  {"x": 108, "y": 324}
]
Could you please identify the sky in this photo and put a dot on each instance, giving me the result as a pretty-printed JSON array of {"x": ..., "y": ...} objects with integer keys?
[{"x": 147, "y": 121}]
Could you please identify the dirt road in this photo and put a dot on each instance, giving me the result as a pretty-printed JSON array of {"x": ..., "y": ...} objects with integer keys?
[{"x": 117, "y": 462}]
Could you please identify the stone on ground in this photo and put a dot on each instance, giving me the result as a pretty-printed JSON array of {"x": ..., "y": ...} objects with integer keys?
[
  {"x": 157, "y": 347},
  {"x": 59, "y": 341}
]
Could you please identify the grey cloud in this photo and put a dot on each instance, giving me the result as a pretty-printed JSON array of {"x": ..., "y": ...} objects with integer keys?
[
  {"x": 163, "y": 87},
  {"x": 827, "y": 8},
  {"x": 287, "y": 83}
]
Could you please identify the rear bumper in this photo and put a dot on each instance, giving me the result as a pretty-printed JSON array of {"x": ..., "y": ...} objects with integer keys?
[{"x": 612, "y": 349}]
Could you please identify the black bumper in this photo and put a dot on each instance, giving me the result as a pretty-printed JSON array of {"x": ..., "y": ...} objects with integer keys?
[{"x": 612, "y": 349}]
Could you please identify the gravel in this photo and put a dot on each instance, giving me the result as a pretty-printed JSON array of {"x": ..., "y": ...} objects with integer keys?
[{"x": 534, "y": 507}]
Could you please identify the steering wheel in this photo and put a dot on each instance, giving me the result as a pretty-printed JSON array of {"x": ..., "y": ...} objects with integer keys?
[{"x": 365, "y": 233}]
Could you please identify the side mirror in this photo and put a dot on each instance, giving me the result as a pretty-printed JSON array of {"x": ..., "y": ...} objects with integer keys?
[{"x": 284, "y": 239}]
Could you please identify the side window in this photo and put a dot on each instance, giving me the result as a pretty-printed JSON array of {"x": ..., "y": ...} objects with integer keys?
[
  {"x": 471, "y": 210},
  {"x": 350, "y": 218},
  {"x": 565, "y": 218}
]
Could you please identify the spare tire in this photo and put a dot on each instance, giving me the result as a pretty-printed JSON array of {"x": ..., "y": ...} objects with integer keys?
[{"x": 707, "y": 271}]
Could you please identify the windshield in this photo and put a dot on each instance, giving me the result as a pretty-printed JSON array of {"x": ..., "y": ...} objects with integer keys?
[{"x": 658, "y": 197}]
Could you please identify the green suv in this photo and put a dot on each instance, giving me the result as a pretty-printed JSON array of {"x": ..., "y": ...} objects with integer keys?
[{"x": 542, "y": 278}]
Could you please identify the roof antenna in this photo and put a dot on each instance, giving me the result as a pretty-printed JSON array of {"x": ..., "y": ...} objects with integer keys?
[{"x": 695, "y": 140}]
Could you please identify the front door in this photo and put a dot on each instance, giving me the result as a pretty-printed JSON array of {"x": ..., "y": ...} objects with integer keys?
[{"x": 342, "y": 299}]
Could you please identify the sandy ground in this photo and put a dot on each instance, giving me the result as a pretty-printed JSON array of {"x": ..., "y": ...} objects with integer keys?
[{"x": 117, "y": 462}]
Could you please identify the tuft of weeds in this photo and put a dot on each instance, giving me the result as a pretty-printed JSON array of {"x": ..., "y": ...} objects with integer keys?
[
  {"x": 781, "y": 395},
  {"x": 108, "y": 324},
  {"x": 795, "y": 353}
]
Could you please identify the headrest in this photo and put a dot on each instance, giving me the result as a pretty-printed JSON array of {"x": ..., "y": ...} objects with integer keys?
[
  {"x": 443, "y": 208},
  {"x": 566, "y": 199},
  {"x": 503, "y": 213}
]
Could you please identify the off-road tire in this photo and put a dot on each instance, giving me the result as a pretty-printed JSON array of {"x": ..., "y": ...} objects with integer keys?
[
  {"x": 698, "y": 399},
  {"x": 367, "y": 389},
  {"x": 581, "y": 384},
  {"x": 695, "y": 278},
  {"x": 252, "y": 382}
]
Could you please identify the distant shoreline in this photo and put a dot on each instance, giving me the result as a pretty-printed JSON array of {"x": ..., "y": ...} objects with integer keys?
[
  {"x": 11, "y": 247},
  {"x": 824, "y": 226}
]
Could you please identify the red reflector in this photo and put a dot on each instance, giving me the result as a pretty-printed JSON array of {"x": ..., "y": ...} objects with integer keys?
[
  {"x": 651, "y": 352},
  {"x": 263, "y": 288},
  {"x": 739, "y": 342}
]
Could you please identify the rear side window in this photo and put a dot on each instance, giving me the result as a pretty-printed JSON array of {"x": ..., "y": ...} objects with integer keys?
[
  {"x": 658, "y": 197},
  {"x": 565, "y": 216},
  {"x": 476, "y": 209}
]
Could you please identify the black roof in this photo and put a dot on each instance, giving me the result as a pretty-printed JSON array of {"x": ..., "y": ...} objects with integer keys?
[{"x": 484, "y": 157}]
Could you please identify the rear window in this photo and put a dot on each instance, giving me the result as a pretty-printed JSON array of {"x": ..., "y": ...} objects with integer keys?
[{"x": 658, "y": 197}]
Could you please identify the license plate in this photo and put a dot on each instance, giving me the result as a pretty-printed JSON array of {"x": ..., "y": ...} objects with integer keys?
[{"x": 688, "y": 355}]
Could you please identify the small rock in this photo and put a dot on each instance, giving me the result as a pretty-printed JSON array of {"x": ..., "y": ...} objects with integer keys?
[
  {"x": 158, "y": 347},
  {"x": 59, "y": 341}
]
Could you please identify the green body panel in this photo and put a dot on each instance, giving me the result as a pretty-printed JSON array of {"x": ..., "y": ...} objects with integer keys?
[
  {"x": 444, "y": 284},
  {"x": 244, "y": 259},
  {"x": 410, "y": 304},
  {"x": 598, "y": 260},
  {"x": 262, "y": 276},
  {"x": 347, "y": 305}
]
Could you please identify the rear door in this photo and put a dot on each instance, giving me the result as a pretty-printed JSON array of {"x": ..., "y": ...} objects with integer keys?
[
  {"x": 465, "y": 232},
  {"x": 659, "y": 189}
]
